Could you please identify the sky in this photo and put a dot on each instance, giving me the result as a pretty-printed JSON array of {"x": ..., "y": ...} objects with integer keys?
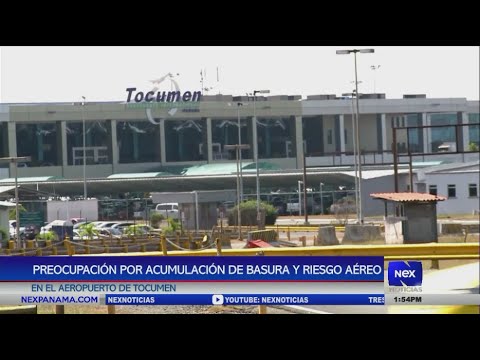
[{"x": 65, "y": 74}]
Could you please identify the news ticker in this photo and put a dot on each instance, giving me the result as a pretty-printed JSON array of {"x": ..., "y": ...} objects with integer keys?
[
  {"x": 241, "y": 299},
  {"x": 210, "y": 280}
]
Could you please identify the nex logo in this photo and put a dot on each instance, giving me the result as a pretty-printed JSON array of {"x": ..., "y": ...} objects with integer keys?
[{"x": 405, "y": 273}]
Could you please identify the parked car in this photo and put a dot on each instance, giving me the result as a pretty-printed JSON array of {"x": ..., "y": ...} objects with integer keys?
[
  {"x": 121, "y": 226},
  {"x": 169, "y": 210}
]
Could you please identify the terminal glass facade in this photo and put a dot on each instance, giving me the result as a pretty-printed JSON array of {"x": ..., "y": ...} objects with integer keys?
[
  {"x": 313, "y": 135},
  {"x": 442, "y": 135},
  {"x": 225, "y": 132},
  {"x": 98, "y": 146},
  {"x": 415, "y": 136},
  {"x": 3, "y": 139},
  {"x": 138, "y": 141},
  {"x": 186, "y": 140},
  {"x": 40, "y": 141},
  {"x": 276, "y": 137},
  {"x": 473, "y": 130}
]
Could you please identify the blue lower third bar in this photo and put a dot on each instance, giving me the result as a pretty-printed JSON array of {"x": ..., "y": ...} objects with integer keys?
[{"x": 245, "y": 299}]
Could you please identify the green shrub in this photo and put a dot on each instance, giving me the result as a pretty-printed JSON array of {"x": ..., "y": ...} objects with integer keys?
[
  {"x": 48, "y": 235},
  {"x": 88, "y": 230},
  {"x": 248, "y": 212},
  {"x": 156, "y": 219},
  {"x": 472, "y": 146},
  {"x": 134, "y": 230},
  {"x": 4, "y": 236},
  {"x": 173, "y": 226}
]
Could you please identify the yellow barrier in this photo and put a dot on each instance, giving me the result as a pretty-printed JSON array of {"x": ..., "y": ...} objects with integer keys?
[{"x": 390, "y": 252}]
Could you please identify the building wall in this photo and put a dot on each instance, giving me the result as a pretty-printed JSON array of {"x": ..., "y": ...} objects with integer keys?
[
  {"x": 462, "y": 204},
  {"x": 374, "y": 207},
  {"x": 368, "y": 132},
  {"x": 329, "y": 133},
  {"x": 109, "y": 119},
  {"x": 65, "y": 210},
  {"x": 421, "y": 224}
]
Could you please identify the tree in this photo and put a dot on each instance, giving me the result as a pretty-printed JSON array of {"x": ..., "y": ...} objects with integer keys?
[
  {"x": 343, "y": 208},
  {"x": 473, "y": 147},
  {"x": 248, "y": 212},
  {"x": 88, "y": 230},
  {"x": 173, "y": 226},
  {"x": 155, "y": 219},
  {"x": 12, "y": 214},
  {"x": 4, "y": 235}
]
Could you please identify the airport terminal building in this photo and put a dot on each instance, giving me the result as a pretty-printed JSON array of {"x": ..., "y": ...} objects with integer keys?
[{"x": 167, "y": 137}]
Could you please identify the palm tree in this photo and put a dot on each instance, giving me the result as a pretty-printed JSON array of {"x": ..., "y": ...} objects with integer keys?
[{"x": 88, "y": 230}]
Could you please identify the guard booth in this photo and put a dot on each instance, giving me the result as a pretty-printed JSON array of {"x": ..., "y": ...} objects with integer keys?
[
  {"x": 410, "y": 218},
  {"x": 62, "y": 228}
]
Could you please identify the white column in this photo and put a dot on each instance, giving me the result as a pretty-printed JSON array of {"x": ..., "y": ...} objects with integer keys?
[
  {"x": 426, "y": 132},
  {"x": 63, "y": 128},
  {"x": 299, "y": 141},
  {"x": 342, "y": 133},
  {"x": 163, "y": 155},
  {"x": 209, "y": 140},
  {"x": 385, "y": 145},
  {"x": 115, "y": 154},
  {"x": 466, "y": 134},
  {"x": 12, "y": 144}
]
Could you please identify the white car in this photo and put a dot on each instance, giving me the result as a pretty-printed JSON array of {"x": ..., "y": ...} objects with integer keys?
[{"x": 168, "y": 210}]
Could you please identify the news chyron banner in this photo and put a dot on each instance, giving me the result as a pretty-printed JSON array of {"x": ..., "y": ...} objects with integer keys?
[{"x": 192, "y": 280}]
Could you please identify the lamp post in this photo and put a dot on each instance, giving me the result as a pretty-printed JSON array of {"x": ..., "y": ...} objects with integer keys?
[
  {"x": 238, "y": 148},
  {"x": 255, "y": 149},
  {"x": 321, "y": 196},
  {"x": 300, "y": 182},
  {"x": 346, "y": 52},
  {"x": 352, "y": 95},
  {"x": 14, "y": 160},
  {"x": 84, "y": 152}
]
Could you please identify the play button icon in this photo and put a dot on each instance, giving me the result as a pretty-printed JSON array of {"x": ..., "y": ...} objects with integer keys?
[{"x": 217, "y": 299}]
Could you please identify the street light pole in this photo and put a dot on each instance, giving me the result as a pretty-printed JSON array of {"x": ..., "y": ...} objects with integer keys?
[
  {"x": 355, "y": 159},
  {"x": 346, "y": 52},
  {"x": 84, "y": 153},
  {"x": 299, "y": 198},
  {"x": 354, "y": 138},
  {"x": 255, "y": 148},
  {"x": 321, "y": 196},
  {"x": 14, "y": 160},
  {"x": 240, "y": 150},
  {"x": 359, "y": 152}
]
